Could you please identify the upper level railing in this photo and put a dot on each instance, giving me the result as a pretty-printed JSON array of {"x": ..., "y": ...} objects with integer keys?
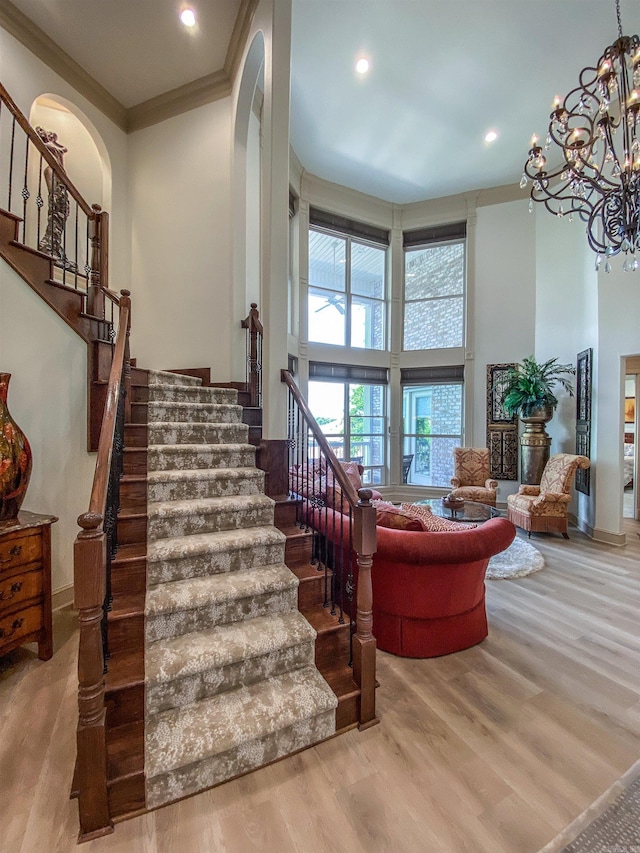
[
  {"x": 93, "y": 551},
  {"x": 345, "y": 521},
  {"x": 53, "y": 218},
  {"x": 255, "y": 335}
]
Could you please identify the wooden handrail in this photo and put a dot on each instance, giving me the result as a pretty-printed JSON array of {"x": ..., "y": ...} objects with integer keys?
[
  {"x": 254, "y": 355},
  {"x": 252, "y": 321},
  {"x": 90, "y": 584},
  {"x": 364, "y": 545},
  {"x": 347, "y": 487},
  {"x": 43, "y": 150}
]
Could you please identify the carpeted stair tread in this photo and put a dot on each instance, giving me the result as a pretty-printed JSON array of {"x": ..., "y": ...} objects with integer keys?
[
  {"x": 185, "y": 736},
  {"x": 195, "y": 593},
  {"x": 191, "y": 483},
  {"x": 192, "y": 394},
  {"x": 208, "y": 553},
  {"x": 164, "y": 377},
  {"x": 193, "y": 412},
  {"x": 206, "y": 515},
  {"x": 191, "y": 654},
  {"x": 181, "y": 432},
  {"x": 164, "y": 457}
]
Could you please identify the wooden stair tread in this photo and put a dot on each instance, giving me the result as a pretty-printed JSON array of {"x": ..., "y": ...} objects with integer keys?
[
  {"x": 125, "y": 668},
  {"x": 133, "y": 478},
  {"x": 125, "y": 751},
  {"x": 323, "y": 621},
  {"x": 128, "y": 514},
  {"x": 126, "y": 605},
  {"x": 306, "y": 571},
  {"x": 129, "y": 553},
  {"x": 340, "y": 680},
  {"x": 294, "y": 532}
]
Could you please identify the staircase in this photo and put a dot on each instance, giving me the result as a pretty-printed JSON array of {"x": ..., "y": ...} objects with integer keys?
[{"x": 229, "y": 676}]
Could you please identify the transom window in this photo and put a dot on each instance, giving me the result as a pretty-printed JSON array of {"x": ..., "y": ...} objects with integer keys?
[
  {"x": 347, "y": 290},
  {"x": 434, "y": 291}
]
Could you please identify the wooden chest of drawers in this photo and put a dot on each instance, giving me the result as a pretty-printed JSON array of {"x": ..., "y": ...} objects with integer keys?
[{"x": 25, "y": 583}]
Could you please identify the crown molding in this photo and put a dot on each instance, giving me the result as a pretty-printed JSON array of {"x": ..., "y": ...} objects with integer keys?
[
  {"x": 204, "y": 90},
  {"x": 213, "y": 87},
  {"x": 44, "y": 48},
  {"x": 239, "y": 37}
]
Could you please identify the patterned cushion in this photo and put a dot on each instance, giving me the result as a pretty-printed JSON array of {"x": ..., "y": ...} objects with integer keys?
[
  {"x": 434, "y": 523},
  {"x": 389, "y": 515},
  {"x": 539, "y": 506},
  {"x": 559, "y": 472},
  {"x": 471, "y": 466},
  {"x": 475, "y": 493}
]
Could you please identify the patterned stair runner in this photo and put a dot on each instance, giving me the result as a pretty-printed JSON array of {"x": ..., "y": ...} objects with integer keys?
[{"x": 231, "y": 682}]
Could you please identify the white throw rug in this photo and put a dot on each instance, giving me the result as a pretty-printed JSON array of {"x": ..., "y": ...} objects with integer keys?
[{"x": 517, "y": 561}]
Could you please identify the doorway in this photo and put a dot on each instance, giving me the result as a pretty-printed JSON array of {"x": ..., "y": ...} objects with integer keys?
[{"x": 630, "y": 485}]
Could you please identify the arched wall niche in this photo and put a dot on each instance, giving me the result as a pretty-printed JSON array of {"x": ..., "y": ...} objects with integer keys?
[
  {"x": 87, "y": 162},
  {"x": 247, "y": 168}
]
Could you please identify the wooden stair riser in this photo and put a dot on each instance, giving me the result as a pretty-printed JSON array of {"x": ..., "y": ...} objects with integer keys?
[
  {"x": 285, "y": 514},
  {"x": 136, "y": 435},
  {"x": 125, "y": 705},
  {"x": 135, "y": 461},
  {"x": 126, "y": 796},
  {"x": 347, "y": 712},
  {"x": 129, "y": 579},
  {"x": 126, "y": 634},
  {"x": 252, "y": 416},
  {"x": 133, "y": 495},
  {"x": 311, "y": 591},
  {"x": 132, "y": 529},
  {"x": 332, "y": 647},
  {"x": 298, "y": 548}
]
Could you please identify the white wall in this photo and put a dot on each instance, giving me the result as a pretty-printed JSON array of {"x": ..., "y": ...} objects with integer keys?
[
  {"x": 181, "y": 241},
  {"x": 504, "y": 302},
  {"x": 48, "y": 400},
  {"x": 47, "y": 360}
]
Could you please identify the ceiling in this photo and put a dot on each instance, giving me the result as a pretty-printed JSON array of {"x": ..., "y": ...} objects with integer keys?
[{"x": 443, "y": 73}]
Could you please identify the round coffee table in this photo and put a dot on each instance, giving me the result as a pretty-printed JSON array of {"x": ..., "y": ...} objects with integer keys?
[{"x": 469, "y": 511}]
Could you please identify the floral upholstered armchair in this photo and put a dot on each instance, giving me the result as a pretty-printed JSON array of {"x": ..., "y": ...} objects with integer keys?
[
  {"x": 543, "y": 508},
  {"x": 471, "y": 480}
]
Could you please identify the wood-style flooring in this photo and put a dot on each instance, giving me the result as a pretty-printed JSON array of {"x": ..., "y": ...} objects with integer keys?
[{"x": 493, "y": 749}]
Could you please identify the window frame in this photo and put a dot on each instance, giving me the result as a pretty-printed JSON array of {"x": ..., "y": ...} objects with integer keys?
[{"x": 348, "y": 294}]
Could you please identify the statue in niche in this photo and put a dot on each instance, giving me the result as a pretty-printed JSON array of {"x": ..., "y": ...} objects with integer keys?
[{"x": 58, "y": 210}]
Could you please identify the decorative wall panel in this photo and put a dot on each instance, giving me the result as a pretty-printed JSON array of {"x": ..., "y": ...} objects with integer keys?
[
  {"x": 502, "y": 430},
  {"x": 583, "y": 416}
]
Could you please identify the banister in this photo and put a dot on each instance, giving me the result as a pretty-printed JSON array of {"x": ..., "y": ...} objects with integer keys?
[
  {"x": 105, "y": 446},
  {"x": 91, "y": 593},
  {"x": 254, "y": 355},
  {"x": 46, "y": 154},
  {"x": 347, "y": 487},
  {"x": 363, "y": 542}
]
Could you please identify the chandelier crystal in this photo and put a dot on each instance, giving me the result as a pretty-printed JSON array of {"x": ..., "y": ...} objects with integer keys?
[{"x": 597, "y": 129}]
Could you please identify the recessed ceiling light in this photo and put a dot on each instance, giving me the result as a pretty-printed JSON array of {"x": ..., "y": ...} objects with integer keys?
[
  {"x": 362, "y": 66},
  {"x": 188, "y": 17},
  {"x": 491, "y": 136}
]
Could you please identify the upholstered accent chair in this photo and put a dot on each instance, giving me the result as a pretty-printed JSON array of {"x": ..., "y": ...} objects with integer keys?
[
  {"x": 471, "y": 479},
  {"x": 543, "y": 508}
]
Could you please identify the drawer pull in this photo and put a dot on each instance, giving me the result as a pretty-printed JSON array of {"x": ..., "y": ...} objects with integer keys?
[
  {"x": 17, "y": 623},
  {"x": 14, "y": 552},
  {"x": 14, "y": 589}
]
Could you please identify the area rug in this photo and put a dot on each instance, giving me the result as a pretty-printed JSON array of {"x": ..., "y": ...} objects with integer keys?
[
  {"x": 517, "y": 561},
  {"x": 610, "y": 825}
]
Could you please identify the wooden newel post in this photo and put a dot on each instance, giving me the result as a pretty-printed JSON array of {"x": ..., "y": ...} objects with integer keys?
[
  {"x": 95, "y": 296},
  {"x": 125, "y": 302},
  {"x": 364, "y": 644},
  {"x": 89, "y": 586}
]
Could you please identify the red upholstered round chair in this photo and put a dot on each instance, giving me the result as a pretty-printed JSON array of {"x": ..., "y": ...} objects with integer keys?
[{"x": 428, "y": 588}]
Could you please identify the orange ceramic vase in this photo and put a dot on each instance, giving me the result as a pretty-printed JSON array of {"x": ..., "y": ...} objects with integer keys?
[{"x": 15, "y": 458}]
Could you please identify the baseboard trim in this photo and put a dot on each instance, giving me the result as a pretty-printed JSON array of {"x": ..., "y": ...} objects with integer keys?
[
  {"x": 62, "y": 597},
  {"x": 598, "y": 535}
]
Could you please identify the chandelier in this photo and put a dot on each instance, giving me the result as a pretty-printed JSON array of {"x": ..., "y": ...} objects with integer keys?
[{"x": 596, "y": 128}]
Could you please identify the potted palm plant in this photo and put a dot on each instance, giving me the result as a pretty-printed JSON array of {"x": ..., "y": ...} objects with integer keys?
[{"x": 528, "y": 391}]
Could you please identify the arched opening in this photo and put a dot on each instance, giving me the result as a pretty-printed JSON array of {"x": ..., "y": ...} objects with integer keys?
[{"x": 247, "y": 177}]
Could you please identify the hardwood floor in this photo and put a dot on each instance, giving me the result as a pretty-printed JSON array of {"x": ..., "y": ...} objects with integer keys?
[{"x": 493, "y": 749}]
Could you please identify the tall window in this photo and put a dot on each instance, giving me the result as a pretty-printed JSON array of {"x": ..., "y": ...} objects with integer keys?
[
  {"x": 347, "y": 290},
  {"x": 432, "y": 425},
  {"x": 352, "y": 417},
  {"x": 434, "y": 288}
]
